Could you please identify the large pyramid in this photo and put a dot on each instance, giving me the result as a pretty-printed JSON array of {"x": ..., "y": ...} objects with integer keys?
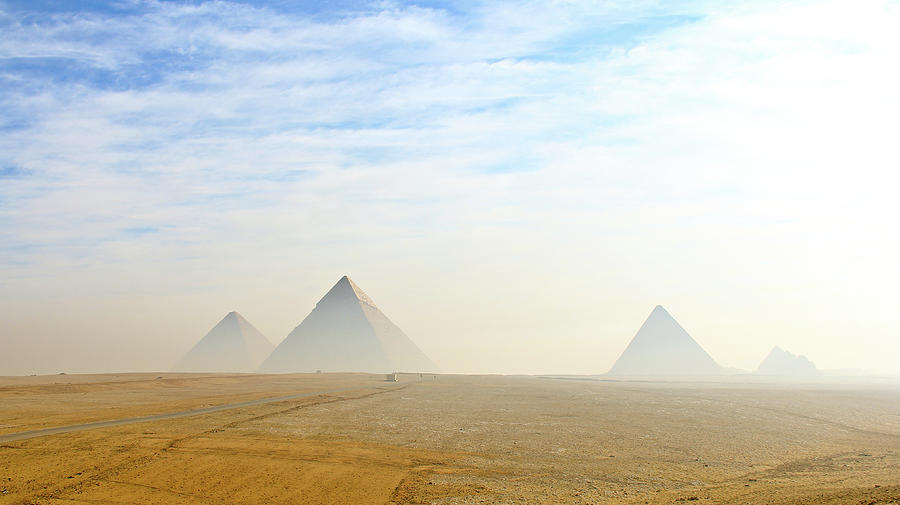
[
  {"x": 346, "y": 332},
  {"x": 662, "y": 347},
  {"x": 233, "y": 345},
  {"x": 782, "y": 362}
]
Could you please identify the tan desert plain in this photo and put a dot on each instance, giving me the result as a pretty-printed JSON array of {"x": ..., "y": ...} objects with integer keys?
[{"x": 691, "y": 433}]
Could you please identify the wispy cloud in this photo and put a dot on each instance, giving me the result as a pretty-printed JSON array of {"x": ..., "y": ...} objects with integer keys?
[{"x": 215, "y": 100}]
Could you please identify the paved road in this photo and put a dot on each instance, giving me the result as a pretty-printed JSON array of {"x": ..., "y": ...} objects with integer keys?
[{"x": 24, "y": 435}]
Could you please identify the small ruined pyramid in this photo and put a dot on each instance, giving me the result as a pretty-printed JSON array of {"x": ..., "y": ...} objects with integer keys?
[
  {"x": 662, "y": 347},
  {"x": 346, "y": 332},
  {"x": 782, "y": 362},
  {"x": 233, "y": 345}
]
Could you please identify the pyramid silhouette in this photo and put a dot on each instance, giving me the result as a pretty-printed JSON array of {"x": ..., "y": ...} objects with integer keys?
[
  {"x": 662, "y": 347},
  {"x": 233, "y": 345},
  {"x": 782, "y": 362},
  {"x": 346, "y": 332}
]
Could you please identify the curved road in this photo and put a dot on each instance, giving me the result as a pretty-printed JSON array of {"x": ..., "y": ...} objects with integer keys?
[{"x": 24, "y": 435}]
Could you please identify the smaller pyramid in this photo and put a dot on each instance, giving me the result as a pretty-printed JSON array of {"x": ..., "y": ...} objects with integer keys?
[
  {"x": 662, "y": 347},
  {"x": 233, "y": 345},
  {"x": 782, "y": 362}
]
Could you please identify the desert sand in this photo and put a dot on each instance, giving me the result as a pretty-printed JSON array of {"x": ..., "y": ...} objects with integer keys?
[{"x": 449, "y": 440}]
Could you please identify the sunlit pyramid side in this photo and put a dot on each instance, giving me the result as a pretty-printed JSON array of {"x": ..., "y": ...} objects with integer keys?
[
  {"x": 663, "y": 347},
  {"x": 346, "y": 332},
  {"x": 233, "y": 345}
]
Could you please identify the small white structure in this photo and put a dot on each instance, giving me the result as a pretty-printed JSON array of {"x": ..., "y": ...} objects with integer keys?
[{"x": 391, "y": 377}]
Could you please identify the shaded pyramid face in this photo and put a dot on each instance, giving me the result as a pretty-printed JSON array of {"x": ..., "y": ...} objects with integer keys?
[
  {"x": 346, "y": 332},
  {"x": 662, "y": 347},
  {"x": 781, "y": 362},
  {"x": 233, "y": 345}
]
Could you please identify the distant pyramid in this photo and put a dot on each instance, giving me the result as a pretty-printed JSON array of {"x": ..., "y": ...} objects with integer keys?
[
  {"x": 781, "y": 362},
  {"x": 346, "y": 332},
  {"x": 662, "y": 347},
  {"x": 233, "y": 345}
]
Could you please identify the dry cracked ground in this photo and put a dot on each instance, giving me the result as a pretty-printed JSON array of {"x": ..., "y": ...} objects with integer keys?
[{"x": 448, "y": 440}]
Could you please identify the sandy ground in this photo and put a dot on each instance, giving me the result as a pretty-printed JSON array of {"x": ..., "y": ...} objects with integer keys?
[{"x": 453, "y": 440}]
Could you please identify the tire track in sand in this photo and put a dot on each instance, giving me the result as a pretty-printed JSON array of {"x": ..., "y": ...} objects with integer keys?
[
  {"x": 108, "y": 474},
  {"x": 25, "y": 435}
]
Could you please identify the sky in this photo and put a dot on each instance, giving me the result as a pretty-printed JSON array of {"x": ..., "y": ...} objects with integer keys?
[{"x": 515, "y": 184}]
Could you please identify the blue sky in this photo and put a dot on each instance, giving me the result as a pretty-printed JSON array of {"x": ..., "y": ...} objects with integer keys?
[{"x": 722, "y": 159}]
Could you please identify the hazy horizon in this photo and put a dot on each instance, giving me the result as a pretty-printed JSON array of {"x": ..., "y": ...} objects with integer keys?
[{"x": 516, "y": 186}]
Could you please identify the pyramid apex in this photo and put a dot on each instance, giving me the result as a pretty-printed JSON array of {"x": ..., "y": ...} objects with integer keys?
[
  {"x": 659, "y": 309},
  {"x": 345, "y": 287}
]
